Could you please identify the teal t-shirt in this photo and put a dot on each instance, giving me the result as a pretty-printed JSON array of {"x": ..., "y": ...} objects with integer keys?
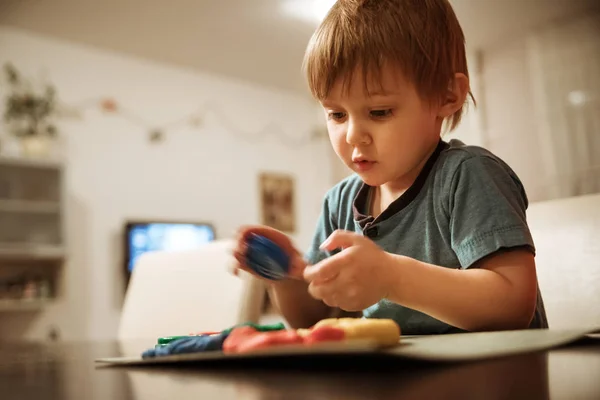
[{"x": 465, "y": 205}]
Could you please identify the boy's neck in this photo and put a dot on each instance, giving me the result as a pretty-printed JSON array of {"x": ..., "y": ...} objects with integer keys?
[
  {"x": 389, "y": 192},
  {"x": 382, "y": 197}
]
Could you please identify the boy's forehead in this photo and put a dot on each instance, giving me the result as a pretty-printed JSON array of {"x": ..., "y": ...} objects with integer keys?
[{"x": 386, "y": 81}]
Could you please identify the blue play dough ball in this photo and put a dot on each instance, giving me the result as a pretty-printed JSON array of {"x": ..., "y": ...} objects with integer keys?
[
  {"x": 192, "y": 344},
  {"x": 266, "y": 258}
]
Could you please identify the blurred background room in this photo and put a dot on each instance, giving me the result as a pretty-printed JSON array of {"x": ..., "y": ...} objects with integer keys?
[{"x": 140, "y": 125}]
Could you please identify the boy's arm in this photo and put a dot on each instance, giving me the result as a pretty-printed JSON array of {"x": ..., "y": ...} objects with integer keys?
[
  {"x": 299, "y": 308},
  {"x": 291, "y": 297},
  {"x": 293, "y": 301},
  {"x": 498, "y": 294},
  {"x": 496, "y": 286}
]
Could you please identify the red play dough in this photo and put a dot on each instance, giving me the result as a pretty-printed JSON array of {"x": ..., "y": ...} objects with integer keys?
[
  {"x": 324, "y": 334},
  {"x": 264, "y": 340},
  {"x": 237, "y": 336},
  {"x": 246, "y": 339}
]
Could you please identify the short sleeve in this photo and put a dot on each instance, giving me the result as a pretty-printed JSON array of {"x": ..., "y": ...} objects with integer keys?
[
  {"x": 325, "y": 227},
  {"x": 487, "y": 206}
]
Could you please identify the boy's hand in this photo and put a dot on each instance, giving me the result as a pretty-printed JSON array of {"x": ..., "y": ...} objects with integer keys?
[
  {"x": 297, "y": 263},
  {"x": 353, "y": 279}
]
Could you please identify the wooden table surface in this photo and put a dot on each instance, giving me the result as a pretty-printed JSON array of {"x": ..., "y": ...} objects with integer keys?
[{"x": 67, "y": 371}]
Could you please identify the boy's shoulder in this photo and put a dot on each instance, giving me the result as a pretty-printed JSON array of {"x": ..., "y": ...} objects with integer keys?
[
  {"x": 470, "y": 158},
  {"x": 462, "y": 164},
  {"x": 457, "y": 152}
]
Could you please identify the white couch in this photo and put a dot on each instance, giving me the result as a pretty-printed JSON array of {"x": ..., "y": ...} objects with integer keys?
[
  {"x": 176, "y": 293},
  {"x": 567, "y": 237}
]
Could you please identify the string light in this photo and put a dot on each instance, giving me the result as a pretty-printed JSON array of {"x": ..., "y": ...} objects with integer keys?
[{"x": 194, "y": 120}]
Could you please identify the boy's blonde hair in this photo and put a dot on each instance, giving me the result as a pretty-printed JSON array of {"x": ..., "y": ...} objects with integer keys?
[{"x": 421, "y": 37}]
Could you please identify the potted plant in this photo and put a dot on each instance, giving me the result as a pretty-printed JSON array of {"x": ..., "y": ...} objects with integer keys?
[{"x": 28, "y": 113}]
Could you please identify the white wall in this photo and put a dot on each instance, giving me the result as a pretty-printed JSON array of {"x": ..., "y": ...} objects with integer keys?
[
  {"x": 528, "y": 120},
  {"x": 114, "y": 173},
  {"x": 567, "y": 237},
  {"x": 511, "y": 126}
]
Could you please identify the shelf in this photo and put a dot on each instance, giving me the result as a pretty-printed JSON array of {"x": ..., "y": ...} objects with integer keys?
[
  {"x": 32, "y": 217},
  {"x": 31, "y": 252},
  {"x": 23, "y": 305},
  {"x": 29, "y": 206},
  {"x": 30, "y": 162}
]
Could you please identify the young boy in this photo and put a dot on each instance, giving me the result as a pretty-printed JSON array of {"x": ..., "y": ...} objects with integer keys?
[{"x": 432, "y": 234}]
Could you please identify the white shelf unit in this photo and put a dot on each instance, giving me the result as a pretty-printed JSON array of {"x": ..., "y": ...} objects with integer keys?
[{"x": 31, "y": 232}]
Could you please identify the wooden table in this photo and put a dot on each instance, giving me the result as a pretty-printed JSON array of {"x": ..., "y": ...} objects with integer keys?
[{"x": 67, "y": 371}]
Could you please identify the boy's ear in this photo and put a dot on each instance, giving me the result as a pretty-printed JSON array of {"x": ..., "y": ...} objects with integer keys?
[{"x": 458, "y": 90}]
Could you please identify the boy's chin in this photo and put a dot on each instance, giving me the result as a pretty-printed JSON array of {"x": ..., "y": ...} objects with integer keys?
[{"x": 372, "y": 179}]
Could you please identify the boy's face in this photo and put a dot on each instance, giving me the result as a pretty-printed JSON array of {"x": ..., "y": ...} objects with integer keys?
[{"x": 384, "y": 134}]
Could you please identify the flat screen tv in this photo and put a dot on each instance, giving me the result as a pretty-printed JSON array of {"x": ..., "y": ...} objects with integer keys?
[{"x": 145, "y": 236}]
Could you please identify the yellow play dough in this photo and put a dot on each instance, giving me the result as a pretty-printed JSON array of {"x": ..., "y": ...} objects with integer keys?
[{"x": 385, "y": 332}]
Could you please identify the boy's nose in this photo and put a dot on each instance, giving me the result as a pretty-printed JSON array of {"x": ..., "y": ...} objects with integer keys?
[{"x": 356, "y": 134}]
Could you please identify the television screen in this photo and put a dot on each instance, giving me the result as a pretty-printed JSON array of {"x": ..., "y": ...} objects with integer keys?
[{"x": 142, "y": 237}]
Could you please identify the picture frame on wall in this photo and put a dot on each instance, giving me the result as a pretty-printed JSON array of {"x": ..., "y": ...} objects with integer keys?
[{"x": 277, "y": 201}]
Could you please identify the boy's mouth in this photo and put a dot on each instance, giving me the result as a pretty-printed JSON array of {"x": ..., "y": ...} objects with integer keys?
[{"x": 362, "y": 164}]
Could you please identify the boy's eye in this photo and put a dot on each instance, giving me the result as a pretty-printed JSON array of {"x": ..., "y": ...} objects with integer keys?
[
  {"x": 336, "y": 115},
  {"x": 381, "y": 113}
]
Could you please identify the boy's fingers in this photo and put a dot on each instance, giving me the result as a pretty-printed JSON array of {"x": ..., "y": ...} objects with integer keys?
[
  {"x": 297, "y": 266},
  {"x": 341, "y": 239},
  {"x": 323, "y": 271},
  {"x": 323, "y": 293},
  {"x": 240, "y": 257},
  {"x": 240, "y": 249}
]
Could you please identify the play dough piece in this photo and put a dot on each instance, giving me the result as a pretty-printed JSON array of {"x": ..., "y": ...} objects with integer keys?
[
  {"x": 266, "y": 258},
  {"x": 261, "y": 328},
  {"x": 191, "y": 344},
  {"x": 237, "y": 336},
  {"x": 264, "y": 340},
  {"x": 169, "y": 339},
  {"x": 197, "y": 345},
  {"x": 384, "y": 332},
  {"x": 246, "y": 339},
  {"x": 324, "y": 334}
]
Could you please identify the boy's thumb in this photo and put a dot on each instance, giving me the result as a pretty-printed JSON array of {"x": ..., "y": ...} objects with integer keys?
[{"x": 297, "y": 266}]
